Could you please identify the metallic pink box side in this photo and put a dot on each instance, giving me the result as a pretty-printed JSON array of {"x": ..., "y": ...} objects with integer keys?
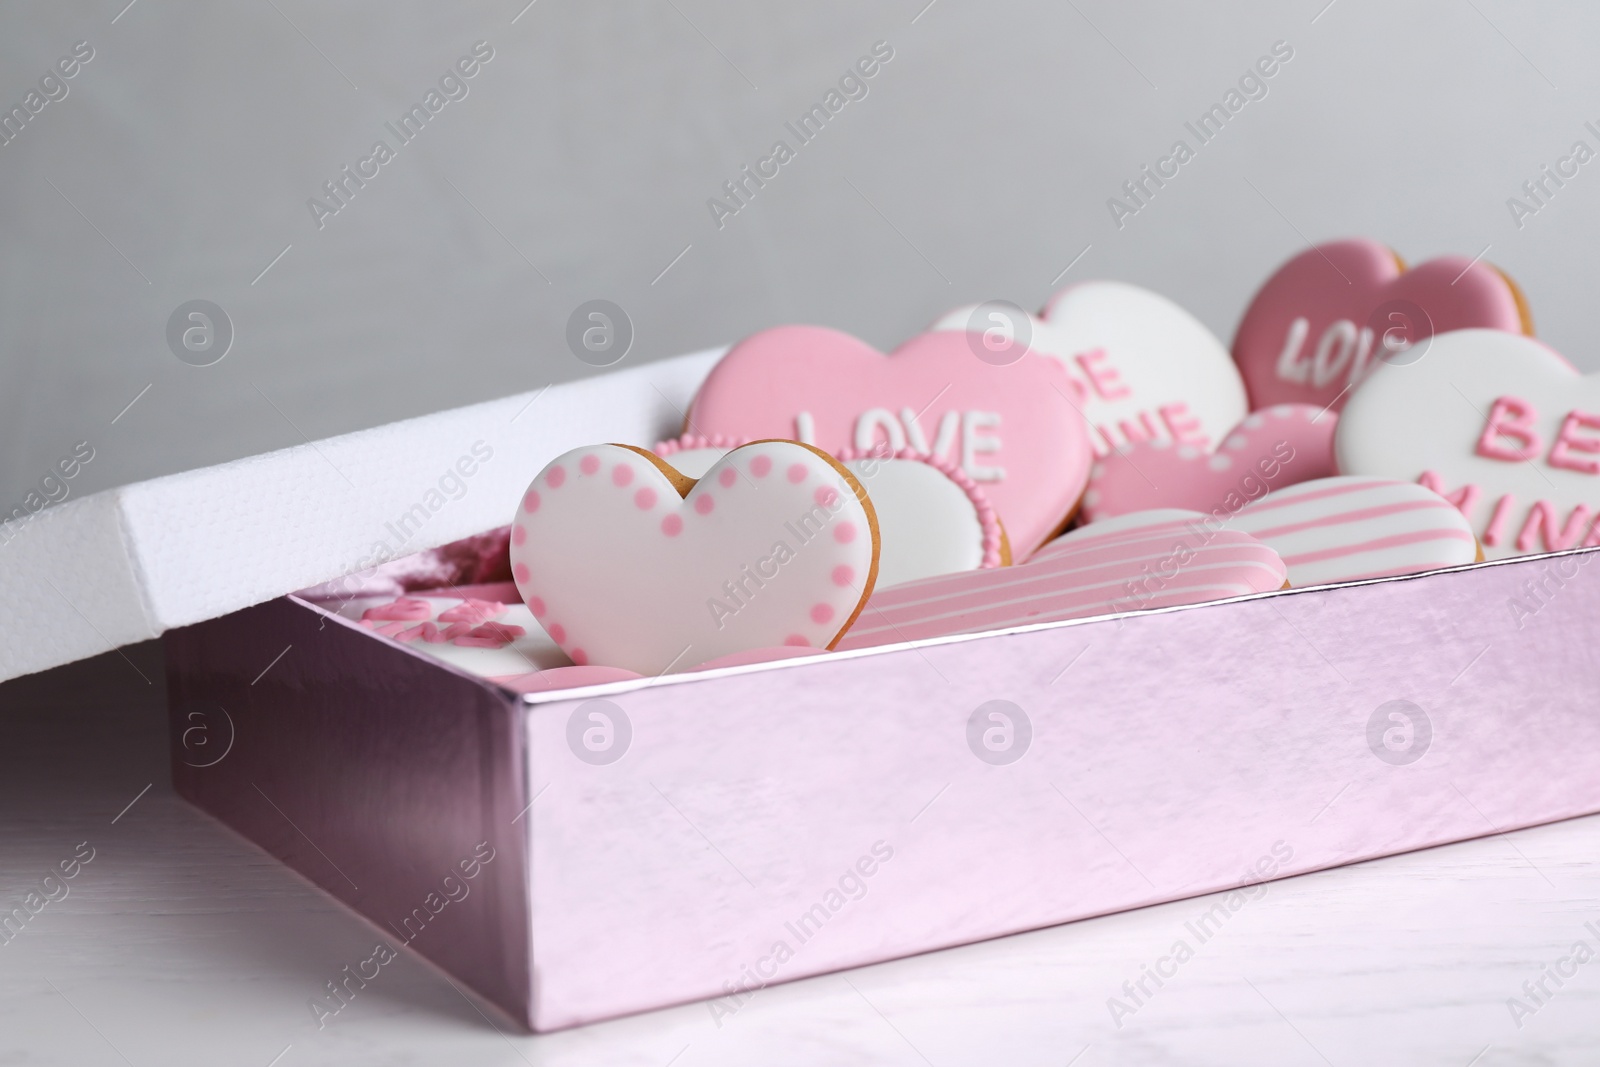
[
  {"x": 1171, "y": 754},
  {"x": 368, "y": 769}
]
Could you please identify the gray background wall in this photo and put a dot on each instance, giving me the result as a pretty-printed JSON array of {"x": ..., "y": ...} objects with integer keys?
[{"x": 979, "y": 165}]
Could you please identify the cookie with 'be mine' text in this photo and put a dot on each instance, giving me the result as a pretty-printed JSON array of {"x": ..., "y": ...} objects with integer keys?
[
  {"x": 1501, "y": 425},
  {"x": 1012, "y": 428},
  {"x": 627, "y": 563},
  {"x": 1336, "y": 311},
  {"x": 1141, "y": 368}
]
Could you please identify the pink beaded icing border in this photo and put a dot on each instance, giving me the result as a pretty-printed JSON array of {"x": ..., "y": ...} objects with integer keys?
[
  {"x": 694, "y": 440},
  {"x": 980, "y": 502}
]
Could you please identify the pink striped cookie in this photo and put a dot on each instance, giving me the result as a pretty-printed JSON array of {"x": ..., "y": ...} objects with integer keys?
[
  {"x": 1270, "y": 449},
  {"x": 1152, "y": 559},
  {"x": 1345, "y": 529}
]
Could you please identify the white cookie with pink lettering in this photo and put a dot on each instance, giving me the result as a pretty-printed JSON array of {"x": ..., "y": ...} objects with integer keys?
[
  {"x": 1141, "y": 368},
  {"x": 627, "y": 563},
  {"x": 1499, "y": 424}
]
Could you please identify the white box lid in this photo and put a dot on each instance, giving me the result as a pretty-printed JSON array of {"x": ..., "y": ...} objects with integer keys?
[{"x": 130, "y": 563}]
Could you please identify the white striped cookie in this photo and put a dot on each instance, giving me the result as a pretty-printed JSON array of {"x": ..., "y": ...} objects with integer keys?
[{"x": 1344, "y": 529}]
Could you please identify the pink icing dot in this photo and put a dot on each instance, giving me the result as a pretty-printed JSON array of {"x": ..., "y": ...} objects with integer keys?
[
  {"x": 589, "y": 464},
  {"x": 557, "y": 632},
  {"x": 672, "y": 525},
  {"x": 844, "y": 574},
  {"x": 825, "y": 496},
  {"x": 726, "y": 477},
  {"x": 555, "y": 476},
  {"x": 518, "y": 534},
  {"x": 760, "y": 466},
  {"x": 579, "y": 656},
  {"x": 521, "y": 573},
  {"x": 621, "y": 474},
  {"x": 703, "y": 503},
  {"x": 821, "y": 613},
  {"x": 645, "y": 498},
  {"x": 536, "y": 605},
  {"x": 796, "y": 639},
  {"x": 530, "y": 501},
  {"x": 844, "y": 533},
  {"x": 797, "y": 472}
]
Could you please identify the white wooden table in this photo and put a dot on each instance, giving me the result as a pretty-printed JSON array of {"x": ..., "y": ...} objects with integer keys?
[{"x": 178, "y": 943}]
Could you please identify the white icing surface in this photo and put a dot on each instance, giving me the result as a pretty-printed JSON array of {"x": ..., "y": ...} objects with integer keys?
[
  {"x": 694, "y": 462},
  {"x": 770, "y": 548},
  {"x": 1343, "y": 529},
  {"x": 927, "y": 523},
  {"x": 1158, "y": 353},
  {"x": 1429, "y": 416}
]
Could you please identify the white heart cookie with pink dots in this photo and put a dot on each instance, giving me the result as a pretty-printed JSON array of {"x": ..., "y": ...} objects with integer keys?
[{"x": 627, "y": 563}]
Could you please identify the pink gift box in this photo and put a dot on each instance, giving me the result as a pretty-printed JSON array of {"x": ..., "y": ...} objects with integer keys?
[
  {"x": 576, "y": 855},
  {"x": 719, "y": 831}
]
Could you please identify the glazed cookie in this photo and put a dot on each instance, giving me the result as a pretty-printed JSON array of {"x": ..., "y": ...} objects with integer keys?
[
  {"x": 1348, "y": 528},
  {"x": 627, "y": 563},
  {"x": 1150, "y": 559},
  {"x": 1500, "y": 425},
  {"x": 1271, "y": 449},
  {"x": 1013, "y": 429},
  {"x": 1334, "y": 312},
  {"x": 1141, "y": 367},
  {"x": 932, "y": 518}
]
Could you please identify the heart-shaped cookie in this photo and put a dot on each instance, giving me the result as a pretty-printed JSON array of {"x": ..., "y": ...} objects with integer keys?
[
  {"x": 1144, "y": 560},
  {"x": 1141, "y": 367},
  {"x": 1270, "y": 449},
  {"x": 1013, "y": 429},
  {"x": 1330, "y": 315},
  {"x": 626, "y": 563},
  {"x": 1500, "y": 425},
  {"x": 932, "y": 518},
  {"x": 1348, "y": 528}
]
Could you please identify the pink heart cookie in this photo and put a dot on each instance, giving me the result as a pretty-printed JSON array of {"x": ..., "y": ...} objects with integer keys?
[
  {"x": 1141, "y": 367},
  {"x": 1013, "y": 429},
  {"x": 1346, "y": 529},
  {"x": 1273, "y": 448},
  {"x": 626, "y": 563},
  {"x": 1501, "y": 425},
  {"x": 1145, "y": 560},
  {"x": 1327, "y": 317}
]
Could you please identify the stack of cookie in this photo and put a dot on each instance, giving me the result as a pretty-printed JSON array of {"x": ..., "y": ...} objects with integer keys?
[{"x": 1107, "y": 455}]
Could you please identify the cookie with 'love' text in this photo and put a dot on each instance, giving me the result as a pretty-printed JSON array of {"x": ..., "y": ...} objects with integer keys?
[
  {"x": 1011, "y": 428},
  {"x": 1333, "y": 313}
]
